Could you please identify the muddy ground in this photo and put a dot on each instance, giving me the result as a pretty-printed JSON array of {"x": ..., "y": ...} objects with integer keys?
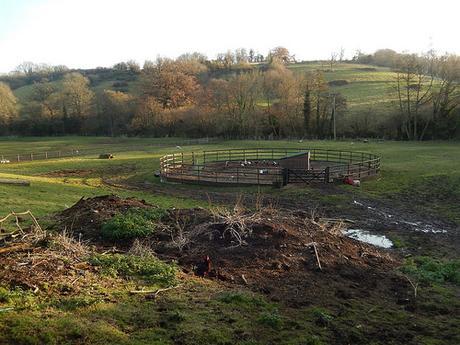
[
  {"x": 424, "y": 234},
  {"x": 275, "y": 256},
  {"x": 293, "y": 257}
]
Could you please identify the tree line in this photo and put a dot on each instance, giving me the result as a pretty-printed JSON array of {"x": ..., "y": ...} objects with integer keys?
[{"x": 240, "y": 94}]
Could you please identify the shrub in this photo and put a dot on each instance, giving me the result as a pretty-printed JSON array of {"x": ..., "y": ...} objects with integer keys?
[
  {"x": 429, "y": 270},
  {"x": 134, "y": 223},
  {"x": 148, "y": 268}
]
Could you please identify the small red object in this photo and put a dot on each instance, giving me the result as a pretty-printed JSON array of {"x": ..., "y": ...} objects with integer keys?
[{"x": 348, "y": 180}]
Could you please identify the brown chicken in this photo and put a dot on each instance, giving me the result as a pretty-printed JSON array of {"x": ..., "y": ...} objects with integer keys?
[{"x": 203, "y": 268}]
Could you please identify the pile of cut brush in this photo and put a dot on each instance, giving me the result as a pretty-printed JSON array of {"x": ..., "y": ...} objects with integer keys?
[
  {"x": 285, "y": 254},
  {"x": 34, "y": 259}
]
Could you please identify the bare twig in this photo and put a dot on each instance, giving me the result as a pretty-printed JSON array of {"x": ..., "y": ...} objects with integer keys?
[
  {"x": 154, "y": 293},
  {"x": 313, "y": 244},
  {"x": 413, "y": 284}
]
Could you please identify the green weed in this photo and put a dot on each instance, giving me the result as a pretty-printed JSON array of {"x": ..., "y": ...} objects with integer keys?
[
  {"x": 272, "y": 320},
  {"x": 146, "y": 268},
  {"x": 428, "y": 270},
  {"x": 135, "y": 223}
]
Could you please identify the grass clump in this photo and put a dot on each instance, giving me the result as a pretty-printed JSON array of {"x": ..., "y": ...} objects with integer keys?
[
  {"x": 428, "y": 270},
  {"x": 147, "y": 268},
  {"x": 17, "y": 299},
  {"x": 132, "y": 224},
  {"x": 272, "y": 320}
]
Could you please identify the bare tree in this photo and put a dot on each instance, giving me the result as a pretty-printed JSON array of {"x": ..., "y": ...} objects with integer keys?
[{"x": 414, "y": 84}]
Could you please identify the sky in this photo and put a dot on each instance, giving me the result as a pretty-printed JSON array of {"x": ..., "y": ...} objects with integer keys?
[{"x": 92, "y": 33}]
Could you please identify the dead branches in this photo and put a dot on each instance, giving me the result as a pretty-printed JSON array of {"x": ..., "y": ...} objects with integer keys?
[
  {"x": 37, "y": 231},
  {"x": 414, "y": 284},
  {"x": 237, "y": 222},
  {"x": 313, "y": 244}
]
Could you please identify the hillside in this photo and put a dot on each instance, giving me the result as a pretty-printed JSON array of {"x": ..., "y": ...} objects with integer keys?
[{"x": 368, "y": 89}]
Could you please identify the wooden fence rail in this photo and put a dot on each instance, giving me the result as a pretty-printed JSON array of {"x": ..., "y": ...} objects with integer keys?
[{"x": 198, "y": 167}]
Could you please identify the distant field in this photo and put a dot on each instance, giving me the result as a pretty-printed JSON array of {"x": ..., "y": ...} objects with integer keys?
[{"x": 370, "y": 89}]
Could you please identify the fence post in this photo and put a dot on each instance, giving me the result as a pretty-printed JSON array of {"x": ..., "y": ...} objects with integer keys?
[
  {"x": 182, "y": 172},
  {"x": 237, "y": 175},
  {"x": 326, "y": 175},
  {"x": 18, "y": 158},
  {"x": 46, "y": 155},
  {"x": 31, "y": 156},
  {"x": 285, "y": 173}
]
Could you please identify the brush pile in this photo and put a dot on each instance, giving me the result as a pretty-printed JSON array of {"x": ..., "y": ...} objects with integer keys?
[{"x": 34, "y": 259}]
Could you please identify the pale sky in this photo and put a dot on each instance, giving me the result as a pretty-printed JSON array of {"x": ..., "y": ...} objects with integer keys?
[{"x": 91, "y": 33}]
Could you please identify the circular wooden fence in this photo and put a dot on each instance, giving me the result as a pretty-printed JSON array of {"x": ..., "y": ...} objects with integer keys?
[{"x": 267, "y": 166}]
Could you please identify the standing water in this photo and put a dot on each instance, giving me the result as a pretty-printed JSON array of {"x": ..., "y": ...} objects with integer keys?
[{"x": 365, "y": 236}]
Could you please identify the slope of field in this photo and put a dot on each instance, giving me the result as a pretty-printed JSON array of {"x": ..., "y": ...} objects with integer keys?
[{"x": 370, "y": 90}]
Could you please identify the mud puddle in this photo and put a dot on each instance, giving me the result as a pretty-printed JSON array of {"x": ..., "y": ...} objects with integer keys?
[
  {"x": 400, "y": 220},
  {"x": 367, "y": 237}
]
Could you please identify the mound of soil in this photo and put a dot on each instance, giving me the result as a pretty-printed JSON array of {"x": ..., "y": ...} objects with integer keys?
[
  {"x": 277, "y": 255},
  {"x": 87, "y": 216},
  {"x": 285, "y": 254}
]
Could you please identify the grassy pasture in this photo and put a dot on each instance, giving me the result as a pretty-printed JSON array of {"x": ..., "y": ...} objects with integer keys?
[{"x": 409, "y": 170}]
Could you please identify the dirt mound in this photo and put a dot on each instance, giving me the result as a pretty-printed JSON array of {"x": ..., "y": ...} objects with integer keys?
[
  {"x": 87, "y": 216},
  {"x": 289, "y": 255},
  {"x": 282, "y": 254}
]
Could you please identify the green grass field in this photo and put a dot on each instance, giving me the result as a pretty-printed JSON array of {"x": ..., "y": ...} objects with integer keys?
[
  {"x": 422, "y": 176},
  {"x": 408, "y": 169}
]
